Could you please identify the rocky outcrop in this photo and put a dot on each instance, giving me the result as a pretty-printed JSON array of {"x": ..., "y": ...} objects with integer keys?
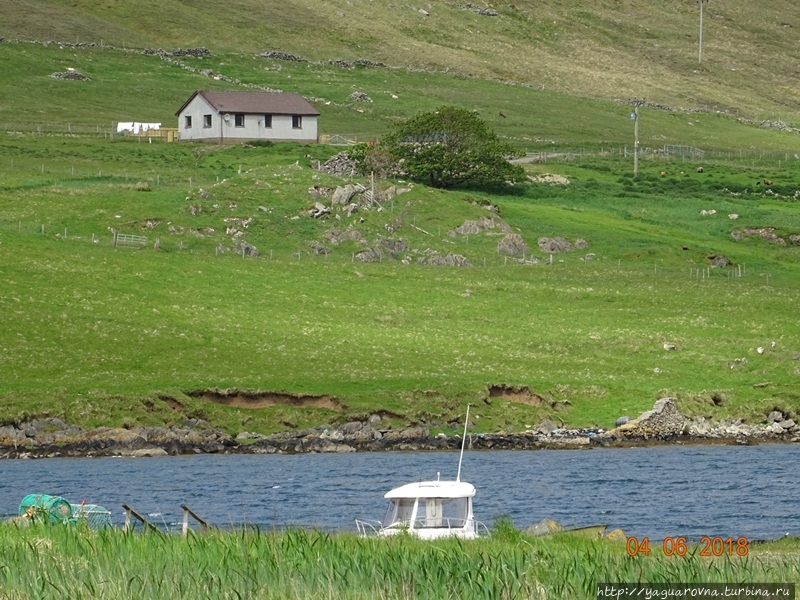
[
  {"x": 52, "y": 438},
  {"x": 559, "y": 244},
  {"x": 383, "y": 248},
  {"x": 338, "y": 236},
  {"x": 665, "y": 423},
  {"x": 765, "y": 233},
  {"x": 479, "y": 10},
  {"x": 69, "y": 74},
  {"x": 360, "y": 97},
  {"x": 476, "y": 226},
  {"x": 446, "y": 260},
  {"x": 550, "y": 179},
  {"x": 192, "y": 52},
  {"x": 343, "y": 194},
  {"x": 344, "y": 201},
  {"x": 49, "y": 438},
  {"x": 278, "y": 55},
  {"x": 340, "y": 165},
  {"x": 734, "y": 429},
  {"x": 719, "y": 261},
  {"x": 513, "y": 245},
  {"x": 362, "y": 437}
]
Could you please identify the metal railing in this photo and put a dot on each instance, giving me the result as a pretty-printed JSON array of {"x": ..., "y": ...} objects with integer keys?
[{"x": 420, "y": 523}]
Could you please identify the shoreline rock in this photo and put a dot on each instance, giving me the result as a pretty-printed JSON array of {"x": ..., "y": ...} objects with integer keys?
[{"x": 663, "y": 425}]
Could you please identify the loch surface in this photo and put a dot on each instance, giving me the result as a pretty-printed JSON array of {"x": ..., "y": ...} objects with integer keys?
[{"x": 668, "y": 491}]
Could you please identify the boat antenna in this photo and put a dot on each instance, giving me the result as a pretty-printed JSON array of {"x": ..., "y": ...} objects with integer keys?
[{"x": 463, "y": 439}]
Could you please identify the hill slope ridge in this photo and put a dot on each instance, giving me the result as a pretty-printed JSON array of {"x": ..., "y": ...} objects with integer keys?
[{"x": 612, "y": 49}]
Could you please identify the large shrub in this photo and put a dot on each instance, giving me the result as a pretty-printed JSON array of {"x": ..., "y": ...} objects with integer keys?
[{"x": 452, "y": 146}]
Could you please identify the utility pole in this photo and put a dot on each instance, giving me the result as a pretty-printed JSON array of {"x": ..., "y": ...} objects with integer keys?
[
  {"x": 635, "y": 119},
  {"x": 700, "y": 47}
]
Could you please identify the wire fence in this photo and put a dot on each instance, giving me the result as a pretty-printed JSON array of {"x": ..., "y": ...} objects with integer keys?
[
  {"x": 23, "y": 172},
  {"x": 136, "y": 240},
  {"x": 667, "y": 152},
  {"x": 166, "y": 134},
  {"x": 47, "y": 128},
  {"x": 663, "y": 154}
]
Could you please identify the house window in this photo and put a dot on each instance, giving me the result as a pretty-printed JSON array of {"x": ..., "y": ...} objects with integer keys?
[
  {"x": 268, "y": 121},
  {"x": 238, "y": 120},
  {"x": 187, "y": 121},
  {"x": 206, "y": 121},
  {"x": 297, "y": 122}
]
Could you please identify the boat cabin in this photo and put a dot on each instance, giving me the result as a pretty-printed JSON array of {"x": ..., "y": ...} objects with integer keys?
[{"x": 431, "y": 509}]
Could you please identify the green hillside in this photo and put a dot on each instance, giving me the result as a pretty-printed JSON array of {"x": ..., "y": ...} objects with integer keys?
[
  {"x": 615, "y": 49},
  {"x": 339, "y": 316}
]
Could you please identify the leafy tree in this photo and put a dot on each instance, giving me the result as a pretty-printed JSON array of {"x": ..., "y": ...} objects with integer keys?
[{"x": 452, "y": 146}]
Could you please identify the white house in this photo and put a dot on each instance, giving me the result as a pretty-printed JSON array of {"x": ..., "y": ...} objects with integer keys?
[{"x": 234, "y": 117}]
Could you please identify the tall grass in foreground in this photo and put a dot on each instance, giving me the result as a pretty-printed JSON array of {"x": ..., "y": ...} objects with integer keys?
[{"x": 55, "y": 562}]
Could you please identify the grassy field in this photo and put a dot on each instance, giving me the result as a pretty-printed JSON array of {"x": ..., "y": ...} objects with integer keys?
[
  {"x": 57, "y": 562},
  {"x": 115, "y": 336}
]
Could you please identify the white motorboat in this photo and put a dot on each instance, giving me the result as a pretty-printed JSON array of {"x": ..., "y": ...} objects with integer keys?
[{"x": 429, "y": 509}]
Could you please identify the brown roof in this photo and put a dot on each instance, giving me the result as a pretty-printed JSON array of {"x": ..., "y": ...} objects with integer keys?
[{"x": 273, "y": 103}]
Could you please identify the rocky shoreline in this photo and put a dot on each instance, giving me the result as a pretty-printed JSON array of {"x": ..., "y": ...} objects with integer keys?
[{"x": 51, "y": 438}]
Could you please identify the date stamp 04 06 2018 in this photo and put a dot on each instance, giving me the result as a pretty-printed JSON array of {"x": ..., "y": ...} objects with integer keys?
[{"x": 678, "y": 546}]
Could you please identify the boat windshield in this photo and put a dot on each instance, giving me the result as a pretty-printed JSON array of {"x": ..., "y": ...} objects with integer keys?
[
  {"x": 450, "y": 513},
  {"x": 441, "y": 512},
  {"x": 399, "y": 511}
]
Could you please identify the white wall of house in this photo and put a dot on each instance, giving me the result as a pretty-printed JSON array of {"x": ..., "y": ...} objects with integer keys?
[{"x": 200, "y": 121}]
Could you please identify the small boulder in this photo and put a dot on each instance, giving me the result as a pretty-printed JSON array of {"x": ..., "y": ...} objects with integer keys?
[
  {"x": 546, "y": 427},
  {"x": 544, "y": 527},
  {"x": 555, "y": 245},
  {"x": 775, "y": 416},
  {"x": 147, "y": 452},
  {"x": 360, "y": 97},
  {"x": 512, "y": 244},
  {"x": 719, "y": 261},
  {"x": 616, "y": 535}
]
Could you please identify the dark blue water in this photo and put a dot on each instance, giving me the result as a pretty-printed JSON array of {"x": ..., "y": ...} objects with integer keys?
[{"x": 749, "y": 491}]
